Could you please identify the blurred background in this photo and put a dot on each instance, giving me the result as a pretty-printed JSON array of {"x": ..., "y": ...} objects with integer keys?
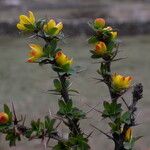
[{"x": 27, "y": 84}]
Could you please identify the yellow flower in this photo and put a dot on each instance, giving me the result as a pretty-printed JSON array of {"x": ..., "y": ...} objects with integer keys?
[
  {"x": 4, "y": 118},
  {"x": 99, "y": 23},
  {"x": 128, "y": 135},
  {"x": 62, "y": 59},
  {"x": 52, "y": 28},
  {"x": 26, "y": 20},
  {"x": 100, "y": 49},
  {"x": 114, "y": 35},
  {"x": 36, "y": 53},
  {"x": 120, "y": 82}
]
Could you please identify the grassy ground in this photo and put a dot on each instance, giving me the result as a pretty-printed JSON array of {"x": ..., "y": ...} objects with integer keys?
[{"x": 26, "y": 85}]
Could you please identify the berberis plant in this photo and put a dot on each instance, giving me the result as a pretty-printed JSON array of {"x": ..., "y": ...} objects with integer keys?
[{"x": 105, "y": 49}]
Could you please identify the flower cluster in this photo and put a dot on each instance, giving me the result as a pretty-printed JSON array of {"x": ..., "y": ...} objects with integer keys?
[
  {"x": 104, "y": 40},
  {"x": 50, "y": 53},
  {"x": 121, "y": 121},
  {"x": 50, "y": 31}
]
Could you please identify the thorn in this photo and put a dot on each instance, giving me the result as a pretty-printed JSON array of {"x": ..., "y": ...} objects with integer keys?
[
  {"x": 118, "y": 59},
  {"x": 15, "y": 117},
  {"x": 103, "y": 132},
  {"x": 125, "y": 103},
  {"x": 50, "y": 113},
  {"x": 46, "y": 144},
  {"x": 92, "y": 108},
  {"x": 24, "y": 119},
  {"x": 32, "y": 36},
  {"x": 111, "y": 60},
  {"x": 90, "y": 134},
  {"x": 58, "y": 124},
  {"x": 101, "y": 80}
]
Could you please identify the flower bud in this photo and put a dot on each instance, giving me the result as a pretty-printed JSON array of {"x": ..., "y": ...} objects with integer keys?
[
  {"x": 36, "y": 53},
  {"x": 100, "y": 49},
  {"x": 26, "y": 22},
  {"x": 4, "y": 118},
  {"x": 51, "y": 28},
  {"x": 128, "y": 135},
  {"x": 99, "y": 23},
  {"x": 61, "y": 59}
]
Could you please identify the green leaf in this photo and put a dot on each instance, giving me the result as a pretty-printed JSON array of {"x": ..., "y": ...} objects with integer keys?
[
  {"x": 49, "y": 124},
  {"x": 111, "y": 109},
  {"x": 66, "y": 67},
  {"x": 129, "y": 145},
  {"x": 52, "y": 31},
  {"x": 30, "y": 27},
  {"x": 57, "y": 69},
  {"x": 39, "y": 24},
  {"x": 74, "y": 91},
  {"x": 106, "y": 105},
  {"x": 61, "y": 146},
  {"x": 50, "y": 48},
  {"x": 61, "y": 104},
  {"x": 110, "y": 46},
  {"x": 12, "y": 137},
  {"x": 126, "y": 117},
  {"x": 6, "y": 109},
  {"x": 92, "y": 40},
  {"x": 67, "y": 109},
  {"x": 78, "y": 142},
  {"x": 57, "y": 85},
  {"x": 8, "y": 112},
  {"x": 96, "y": 56}
]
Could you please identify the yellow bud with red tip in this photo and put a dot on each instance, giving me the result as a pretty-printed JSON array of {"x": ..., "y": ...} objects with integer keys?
[
  {"x": 61, "y": 59},
  {"x": 4, "y": 118},
  {"x": 51, "y": 28},
  {"x": 99, "y": 23},
  {"x": 35, "y": 53},
  {"x": 26, "y": 21},
  {"x": 120, "y": 82},
  {"x": 128, "y": 135},
  {"x": 100, "y": 49}
]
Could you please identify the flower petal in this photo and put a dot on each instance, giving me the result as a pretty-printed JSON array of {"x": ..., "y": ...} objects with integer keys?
[
  {"x": 51, "y": 24},
  {"x": 31, "y": 17},
  {"x": 36, "y": 47},
  {"x": 24, "y": 19},
  {"x": 59, "y": 26},
  {"x": 21, "y": 27}
]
